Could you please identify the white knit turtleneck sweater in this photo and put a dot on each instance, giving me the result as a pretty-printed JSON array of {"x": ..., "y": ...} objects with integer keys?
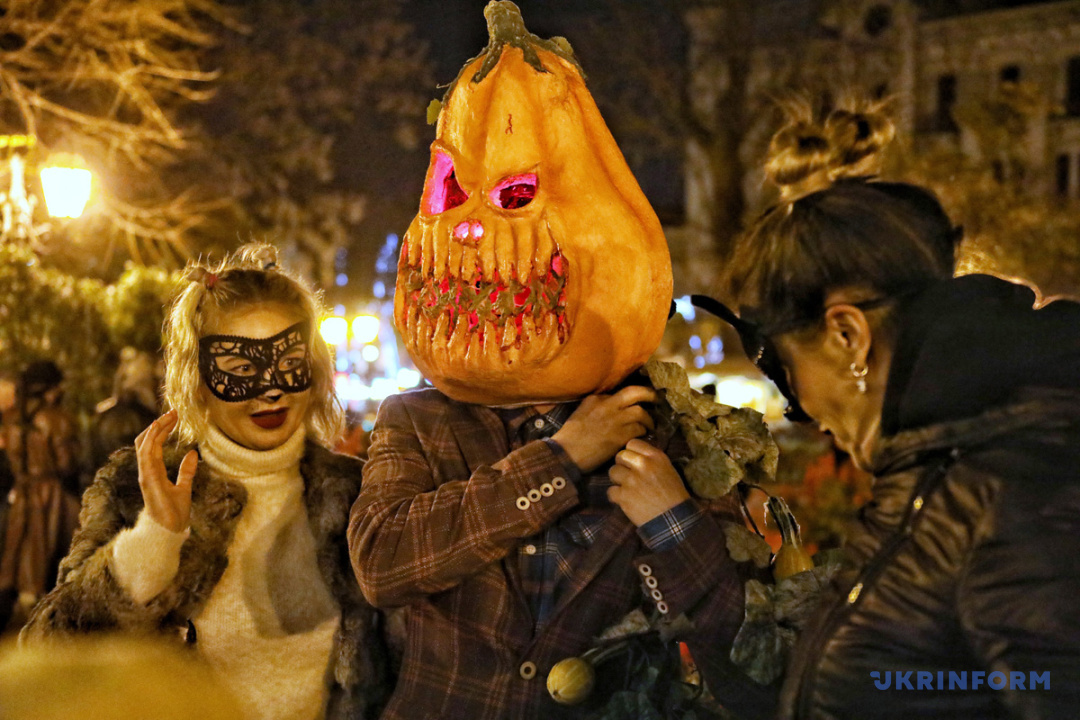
[{"x": 268, "y": 626}]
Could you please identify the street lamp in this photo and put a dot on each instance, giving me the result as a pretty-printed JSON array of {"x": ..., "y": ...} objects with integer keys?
[
  {"x": 65, "y": 183},
  {"x": 66, "y": 189}
]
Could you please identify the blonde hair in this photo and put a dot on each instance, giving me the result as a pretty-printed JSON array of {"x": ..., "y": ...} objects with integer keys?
[{"x": 248, "y": 276}]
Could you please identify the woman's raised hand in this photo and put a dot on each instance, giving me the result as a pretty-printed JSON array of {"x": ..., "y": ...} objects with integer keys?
[{"x": 169, "y": 505}]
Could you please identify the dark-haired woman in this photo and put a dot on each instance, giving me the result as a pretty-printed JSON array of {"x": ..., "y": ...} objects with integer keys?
[{"x": 963, "y": 400}]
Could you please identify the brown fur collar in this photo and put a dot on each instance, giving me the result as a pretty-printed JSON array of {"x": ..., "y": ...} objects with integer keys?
[{"x": 87, "y": 598}]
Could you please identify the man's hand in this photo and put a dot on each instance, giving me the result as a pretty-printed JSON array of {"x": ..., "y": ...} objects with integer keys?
[
  {"x": 602, "y": 425},
  {"x": 646, "y": 483},
  {"x": 167, "y": 504}
]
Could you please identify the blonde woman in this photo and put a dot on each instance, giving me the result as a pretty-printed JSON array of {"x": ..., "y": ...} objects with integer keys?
[{"x": 233, "y": 539}]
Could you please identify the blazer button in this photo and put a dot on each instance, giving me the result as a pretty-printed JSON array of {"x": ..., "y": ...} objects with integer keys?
[
  {"x": 534, "y": 495},
  {"x": 644, "y": 569},
  {"x": 547, "y": 489},
  {"x": 527, "y": 670},
  {"x": 662, "y": 607},
  {"x": 651, "y": 582},
  {"x": 529, "y": 549},
  {"x": 523, "y": 503},
  {"x": 558, "y": 483}
]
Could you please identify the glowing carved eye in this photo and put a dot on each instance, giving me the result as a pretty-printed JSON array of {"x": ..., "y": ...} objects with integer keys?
[
  {"x": 443, "y": 191},
  {"x": 515, "y": 192}
]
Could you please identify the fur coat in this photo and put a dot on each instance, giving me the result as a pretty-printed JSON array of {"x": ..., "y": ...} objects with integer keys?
[{"x": 87, "y": 598}]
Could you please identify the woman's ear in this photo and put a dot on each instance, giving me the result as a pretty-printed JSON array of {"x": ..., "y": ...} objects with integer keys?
[{"x": 848, "y": 332}]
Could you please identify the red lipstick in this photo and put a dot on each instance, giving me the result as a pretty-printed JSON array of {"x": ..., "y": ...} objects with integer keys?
[{"x": 270, "y": 419}]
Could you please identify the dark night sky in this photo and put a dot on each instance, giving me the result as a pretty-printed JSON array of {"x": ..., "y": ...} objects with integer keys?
[{"x": 456, "y": 30}]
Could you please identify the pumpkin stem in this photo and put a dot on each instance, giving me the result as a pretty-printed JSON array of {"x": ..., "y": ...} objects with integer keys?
[
  {"x": 506, "y": 27},
  {"x": 785, "y": 520}
]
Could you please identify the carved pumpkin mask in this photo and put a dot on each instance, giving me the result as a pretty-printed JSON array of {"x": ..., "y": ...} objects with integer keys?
[{"x": 536, "y": 271}]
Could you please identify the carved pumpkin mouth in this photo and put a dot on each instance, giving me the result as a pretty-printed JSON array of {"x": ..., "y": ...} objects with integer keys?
[{"x": 472, "y": 297}]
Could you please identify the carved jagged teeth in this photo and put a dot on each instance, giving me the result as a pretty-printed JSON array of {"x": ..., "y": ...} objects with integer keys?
[
  {"x": 476, "y": 348},
  {"x": 504, "y": 253},
  {"x": 509, "y": 335},
  {"x": 441, "y": 336},
  {"x": 545, "y": 245},
  {"x": 491, "y": 344},
  {"x": 454, "y": 267},
  {"x": 423, "y": 335},
  {"x": 415, "y": 247},
  {"x": 512, "y": 344},
  {"x": 441, "y": 249},
  {"x": 528, "y": 329},
  {"x": 427, "y": 251},
  {"x": 412, "y": 316},
  {"x": 524, "y": 251},
  {"x": 468, "y": 264},
  {"x": 459, "y": 338},
  {"x": 487, "y": 259},
  {"x": 549, "y": 325}
]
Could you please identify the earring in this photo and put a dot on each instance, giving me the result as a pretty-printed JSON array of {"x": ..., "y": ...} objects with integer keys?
[{"x": 860, "y": 377}]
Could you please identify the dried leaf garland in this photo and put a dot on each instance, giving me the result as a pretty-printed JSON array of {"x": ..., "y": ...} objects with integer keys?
[{"x": 727, "y": 444}]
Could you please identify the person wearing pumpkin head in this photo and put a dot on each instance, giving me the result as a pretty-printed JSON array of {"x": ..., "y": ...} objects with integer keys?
[
  {"x": 962, "y": 397},
  {"x": 515, "y": 510},
  {"x": 233, "y": 539}
]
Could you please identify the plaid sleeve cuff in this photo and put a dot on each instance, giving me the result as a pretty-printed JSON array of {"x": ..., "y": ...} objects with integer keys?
[
  {"x": 573, "y": 472},
  {"x": 667, "y": 530}
]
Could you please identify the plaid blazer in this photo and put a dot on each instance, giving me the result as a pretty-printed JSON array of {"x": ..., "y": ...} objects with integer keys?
[{"x": 444, "y": 504}]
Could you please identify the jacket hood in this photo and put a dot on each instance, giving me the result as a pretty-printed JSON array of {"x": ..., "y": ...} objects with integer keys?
[{"x": 975, "y": 343}]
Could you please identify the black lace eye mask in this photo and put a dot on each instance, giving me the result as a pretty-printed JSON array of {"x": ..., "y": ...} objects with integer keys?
[{"x": 255, "y": 367}]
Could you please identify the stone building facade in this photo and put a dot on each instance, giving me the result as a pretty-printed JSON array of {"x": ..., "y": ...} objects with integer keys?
[{"x": 928, "y": 67}]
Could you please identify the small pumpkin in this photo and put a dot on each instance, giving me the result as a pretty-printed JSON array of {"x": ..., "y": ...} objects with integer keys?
[
  {"x": 792, "y": 558},
  {"x": 571, "y": 680},
  {"x": 536, "y": 270}
]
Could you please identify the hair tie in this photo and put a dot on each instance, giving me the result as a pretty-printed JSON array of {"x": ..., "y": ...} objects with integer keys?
[{"x": 201, "y": 275}]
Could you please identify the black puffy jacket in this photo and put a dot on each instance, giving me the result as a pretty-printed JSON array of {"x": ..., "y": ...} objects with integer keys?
[{"x": 968, "y": 555}]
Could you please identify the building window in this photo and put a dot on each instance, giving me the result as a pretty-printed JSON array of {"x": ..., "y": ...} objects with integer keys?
[
  {"x": 946, "y": 99},
  {"x": 1072, "y": 92},
  {"x": 998, "y": 169},
  {"x": 1010, "y": 74},
  {"x": 1062, "y": 172},
  {"x": 877, "y": 20},
  {"x": 826, "y": 102}
]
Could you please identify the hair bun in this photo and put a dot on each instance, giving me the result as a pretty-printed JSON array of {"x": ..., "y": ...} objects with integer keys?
[
  {"x": 262, "y": 256},
  {"x": 859, "y": 138},
  {"x": 807, "y": 154}
]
